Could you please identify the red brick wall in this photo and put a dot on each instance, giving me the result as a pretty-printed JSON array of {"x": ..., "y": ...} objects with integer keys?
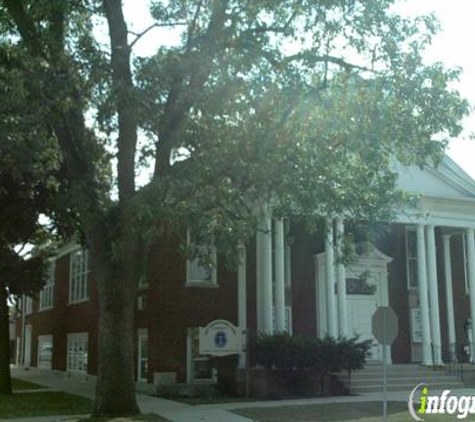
[
  {"x": 173, "y": 307},
  {"x": 64, "y": 318},
  {"x": 303, "y": 280}
]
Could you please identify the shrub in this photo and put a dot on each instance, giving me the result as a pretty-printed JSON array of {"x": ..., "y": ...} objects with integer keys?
[{"x": 285, "y": 352}]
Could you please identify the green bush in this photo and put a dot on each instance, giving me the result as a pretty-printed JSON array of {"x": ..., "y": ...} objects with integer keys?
[{"x": 285, "y": 352}]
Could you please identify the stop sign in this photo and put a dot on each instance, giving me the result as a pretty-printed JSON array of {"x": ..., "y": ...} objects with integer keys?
[{"x": 384, "y": 325}]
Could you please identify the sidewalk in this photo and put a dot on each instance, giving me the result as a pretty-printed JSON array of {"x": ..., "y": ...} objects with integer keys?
[{"x": 179, "y": 412}]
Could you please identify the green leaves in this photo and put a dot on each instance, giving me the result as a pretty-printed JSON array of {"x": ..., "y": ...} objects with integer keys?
[
  {"x": 285, "y": 352},
  {"x": 304, "y": 103}
]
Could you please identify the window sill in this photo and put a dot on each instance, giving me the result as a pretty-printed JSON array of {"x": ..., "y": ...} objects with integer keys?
[{"x": 202, "y": 284}]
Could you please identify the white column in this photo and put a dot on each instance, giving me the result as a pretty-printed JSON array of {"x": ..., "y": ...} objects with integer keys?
[
  {"x": 264, "y": 272},
  {"x": 330, "y": 279},
  {"x": 434, "y": 295},
  {"x": 259, "y": 242},
  {"x": 471, "y": 278},
  {"x": 341, "y": 281},
  {"x": 288, "y": 271},
  {"x": 242, "y": 300},
  {"x": 320, "y": 300},
  {"x": 449, "y": 295},
  {"x": 423, "y": 296},
  {"x": 279, "y": 274}
]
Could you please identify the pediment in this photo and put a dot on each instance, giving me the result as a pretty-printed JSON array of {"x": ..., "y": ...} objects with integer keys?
[{"x": 447, "y": 180}]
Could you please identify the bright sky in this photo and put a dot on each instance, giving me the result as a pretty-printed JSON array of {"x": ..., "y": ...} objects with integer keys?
[{"x": 451, "y": 46}]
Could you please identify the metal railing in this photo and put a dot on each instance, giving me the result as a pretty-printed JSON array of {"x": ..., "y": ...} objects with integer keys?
[{"x": 455, "y": 358}]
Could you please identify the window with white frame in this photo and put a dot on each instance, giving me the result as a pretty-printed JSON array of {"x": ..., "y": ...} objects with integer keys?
[
  {"x": 47, "y": 292},
  {"x": 77, "y": 352},
  {"x": 45, "y": 351},
  {"x": 199, "y": 367},
  {"x": 411, "y": 258},
  {"x": 201, "y": 268},
  {"x": 28, "y": 305},
  {"x": 78, "y": 276}
]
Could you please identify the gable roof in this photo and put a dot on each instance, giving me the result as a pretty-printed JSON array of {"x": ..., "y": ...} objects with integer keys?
[{"x": 447, "y": 180}]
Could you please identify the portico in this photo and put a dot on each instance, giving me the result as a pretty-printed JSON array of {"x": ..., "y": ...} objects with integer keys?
[{"x": 425, "y": 268}]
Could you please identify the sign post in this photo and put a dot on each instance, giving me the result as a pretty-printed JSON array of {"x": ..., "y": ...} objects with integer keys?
[{"x": 384, "y": 326}]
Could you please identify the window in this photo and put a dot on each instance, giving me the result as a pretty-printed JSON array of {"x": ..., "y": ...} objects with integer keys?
[
  {"x": 28, "y": 305},
  {"x": 199, "y": 367},
  {"x": 45, "y": 351},
  {"x": 201, "y": 269},
  {"x": 78, "y": 286},
  {"x": 142, "y": 301},
  {"x": 47, "y": 293},
  {"x": 142, "y": 355},
  {"x": 411, "y": 258},
  {"x": 142, "y": 294},
  {"x": 77, "y": 352}
]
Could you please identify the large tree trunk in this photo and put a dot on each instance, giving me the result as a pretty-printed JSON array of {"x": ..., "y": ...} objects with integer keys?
[
  {"x": 5, "y": 376},
  {"x": 115, "y": 278}
]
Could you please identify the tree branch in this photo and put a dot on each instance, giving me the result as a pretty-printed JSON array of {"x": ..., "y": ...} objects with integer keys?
[
  {"x": 124, "y": 97},
  {"x": 192, "y": 27},
  {"x": 139, "y": 35},
  {"x": 25, "y": 25},
  {"x": 180, "y": 98}
]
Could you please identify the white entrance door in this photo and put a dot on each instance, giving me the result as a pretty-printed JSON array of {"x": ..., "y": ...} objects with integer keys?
[
  {"x": 360, "y": 310},
  {"x": 27, "y": 360}
]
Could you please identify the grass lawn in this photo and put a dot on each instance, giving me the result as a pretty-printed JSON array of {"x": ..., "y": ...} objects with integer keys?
[
  {"x": 24, "y": 385},
  {"x": 42, "y": 404},
  {"x": 335, "y": 412}
]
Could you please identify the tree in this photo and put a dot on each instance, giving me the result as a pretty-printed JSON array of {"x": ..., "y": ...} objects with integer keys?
[
  {"x": 27, "y": 189},
  {"x": 302, "y": 103}
]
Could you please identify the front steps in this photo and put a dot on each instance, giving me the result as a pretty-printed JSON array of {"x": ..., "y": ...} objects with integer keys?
[{"x": 403, "y": 377}]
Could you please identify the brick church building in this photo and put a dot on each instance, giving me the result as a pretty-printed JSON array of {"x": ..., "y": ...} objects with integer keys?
[{"x": 422, "y": 265}]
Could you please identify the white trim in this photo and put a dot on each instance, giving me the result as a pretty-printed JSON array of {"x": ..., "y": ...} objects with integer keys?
[
  {"x": 46, "y": 299},
  {"x": 78, "y": 291},
  {"x": 67, "y": 249},
  {"x": 28, "y": 305}
]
